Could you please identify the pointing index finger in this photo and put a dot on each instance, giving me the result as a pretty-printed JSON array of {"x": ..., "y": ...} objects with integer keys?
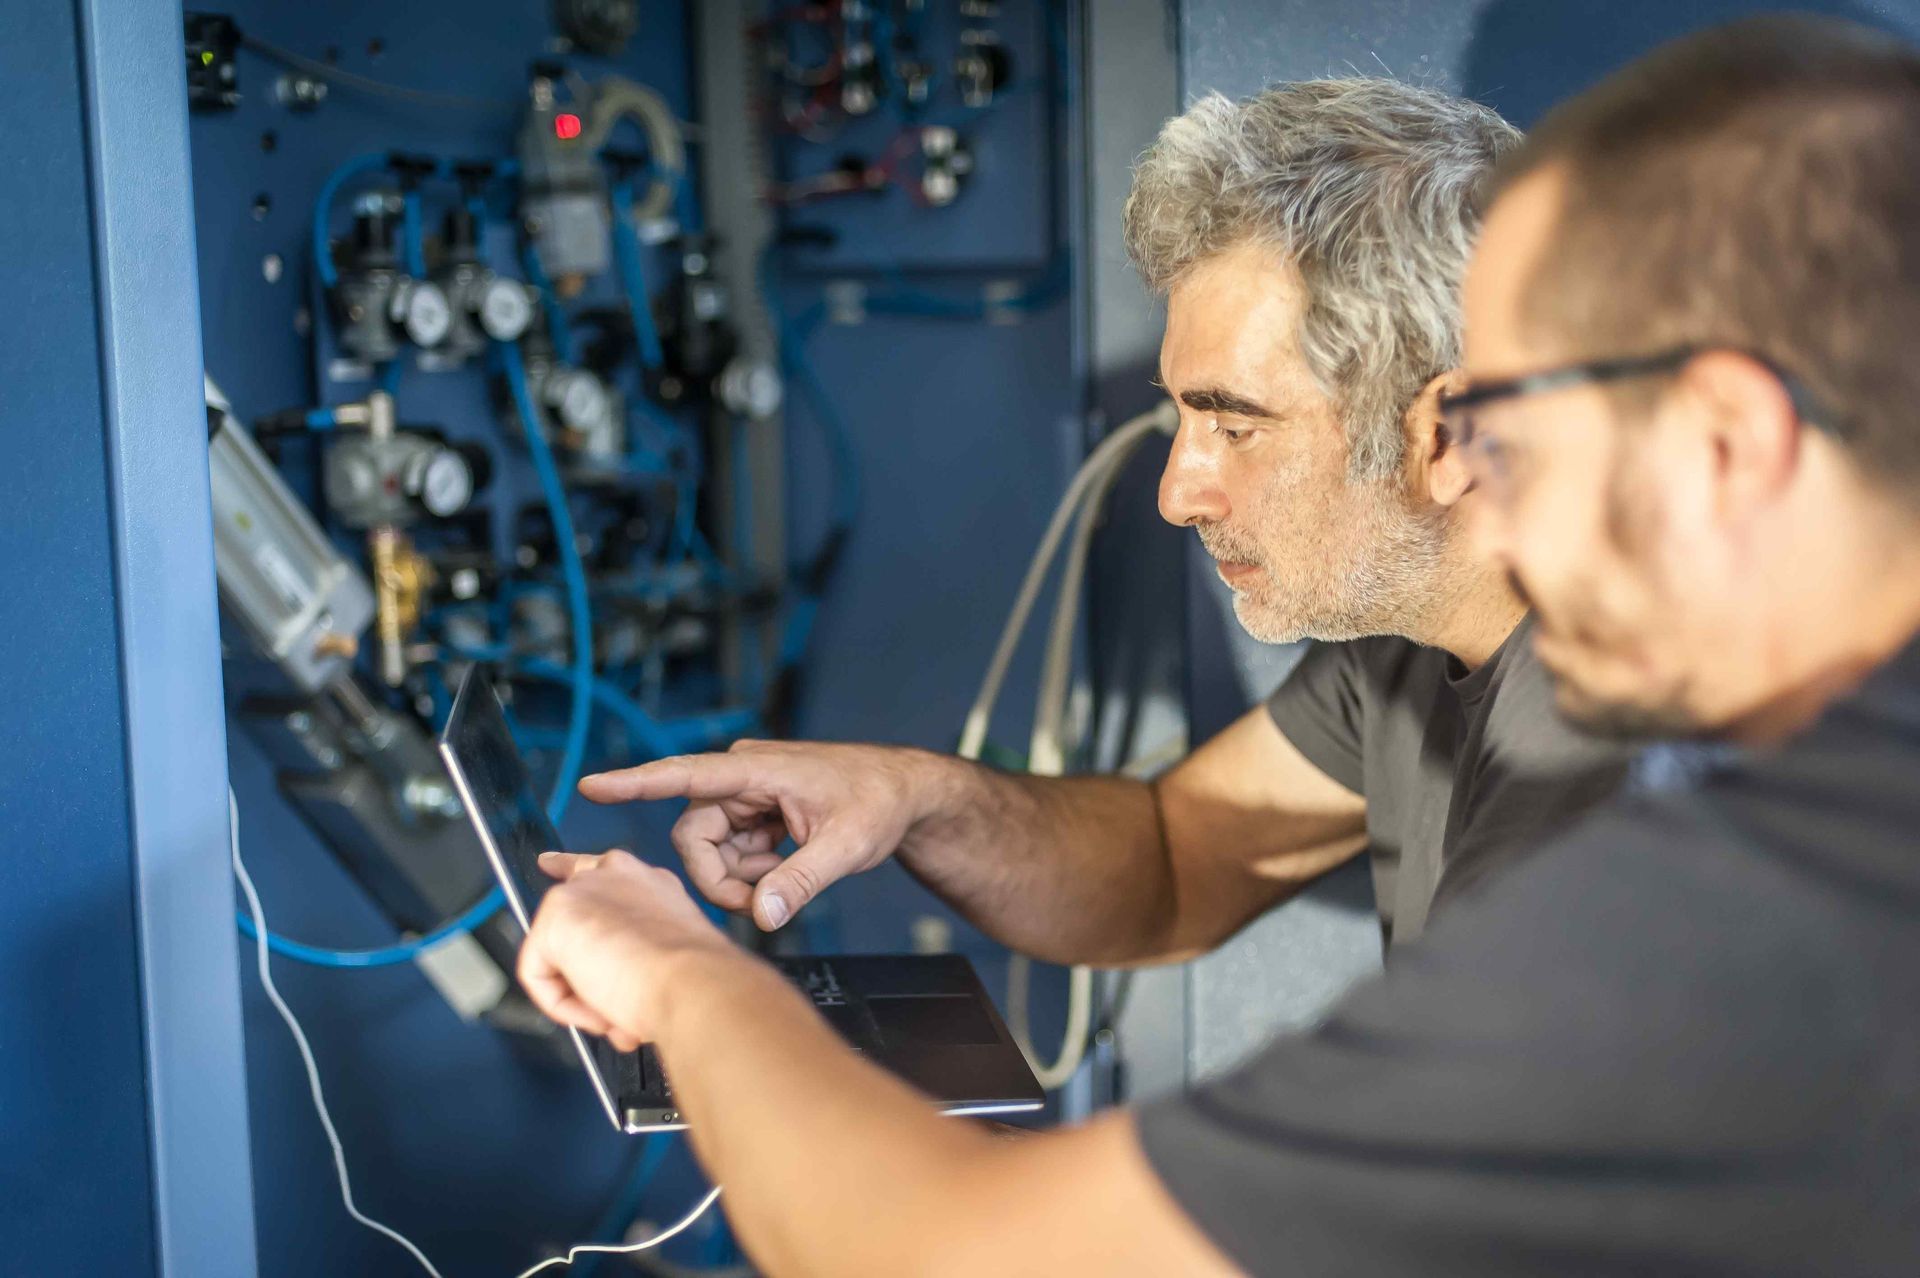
[{"x": 687, "y": 776}]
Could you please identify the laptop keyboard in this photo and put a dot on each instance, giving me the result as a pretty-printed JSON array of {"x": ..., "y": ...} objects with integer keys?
[
  {"x": 640, "y": 1072},
  {"x": 816, "y": 978},
  {"x": 653, "y": 1078}
]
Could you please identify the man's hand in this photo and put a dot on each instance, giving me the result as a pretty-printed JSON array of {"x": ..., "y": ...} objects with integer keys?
[
  {"x": 602, "y": 947},
  {"x": 847, "y": 807}
]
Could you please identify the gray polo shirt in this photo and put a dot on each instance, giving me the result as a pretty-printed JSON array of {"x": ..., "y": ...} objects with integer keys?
[
  {"x": 1680, "y": 1039},
  {"x": 1461, "y": 770}
]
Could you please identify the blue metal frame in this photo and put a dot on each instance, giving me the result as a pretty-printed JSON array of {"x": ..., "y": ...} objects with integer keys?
[
  {"x": 70, "y": 1010},
  {"x": 134, "y": 89}
]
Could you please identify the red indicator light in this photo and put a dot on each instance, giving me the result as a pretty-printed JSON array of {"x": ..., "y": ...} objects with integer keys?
[{"x": 566, "y": 126}]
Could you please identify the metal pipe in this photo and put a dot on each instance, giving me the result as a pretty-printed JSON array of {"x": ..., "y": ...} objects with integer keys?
[
  {"x": 380, "y": 416},
  {"x": 383, "y": 549}
]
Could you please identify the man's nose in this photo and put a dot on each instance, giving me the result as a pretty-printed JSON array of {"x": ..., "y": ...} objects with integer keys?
[{"x": 1190, "y": 488}]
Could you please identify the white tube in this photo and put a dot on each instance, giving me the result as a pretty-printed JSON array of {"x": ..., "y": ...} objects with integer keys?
[
  {"x": 615, "y": 99},
  {"x": 1087, "y": 495},
  {"x": 974, "y": 735},
  {"x": 1046, "y": 754}
]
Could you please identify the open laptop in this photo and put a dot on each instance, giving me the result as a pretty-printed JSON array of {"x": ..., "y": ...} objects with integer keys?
[{"x": 924, "y": 1017}]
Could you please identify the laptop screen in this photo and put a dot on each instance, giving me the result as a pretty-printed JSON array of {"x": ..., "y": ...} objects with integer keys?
[{"x": 499, "y": 793}]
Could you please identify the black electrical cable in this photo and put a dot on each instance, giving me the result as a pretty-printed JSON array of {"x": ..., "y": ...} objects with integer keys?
[{"x": 378, "y": 88}]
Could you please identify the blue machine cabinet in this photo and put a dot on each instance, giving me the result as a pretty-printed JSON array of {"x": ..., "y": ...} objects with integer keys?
[
  {"x": 145, "y": 1132},
  {"x": 486, "y": 1150}
]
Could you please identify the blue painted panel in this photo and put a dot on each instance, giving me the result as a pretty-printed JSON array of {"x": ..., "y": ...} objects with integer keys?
[
  {"x": 1003, "y": 218},
  {"x": 966, "y": 435},
  {"x": 157, "y": 472},
  {"x": 79, "y": 1184},
  {"x": 1518, "y": 56},
  {"x": 1522, "y": 58}
]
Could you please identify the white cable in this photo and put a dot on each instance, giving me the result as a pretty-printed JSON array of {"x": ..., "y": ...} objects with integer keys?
[
  {"x": 1073, "y": 1041},
  {"x": 1162, "y": 418},
  {"x": 624, "y": 1249},
  {"x": 300, "y": 1040},
  {"x": 326, "y": 1118},
  {"x": 1086, "y": 494},
  {"x": 1047, "y": 751},
  {"x": 1046, "y": 756},
  {"x": 615, "y": 99}
]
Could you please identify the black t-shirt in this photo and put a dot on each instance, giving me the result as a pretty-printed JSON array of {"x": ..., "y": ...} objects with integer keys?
[
  {"x": 1682, "y": 1039},
  {"x": 1460, "y": 769}
]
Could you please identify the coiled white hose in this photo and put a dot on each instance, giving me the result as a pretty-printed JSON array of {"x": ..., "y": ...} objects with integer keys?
[{"x": 1086, "y": 495}]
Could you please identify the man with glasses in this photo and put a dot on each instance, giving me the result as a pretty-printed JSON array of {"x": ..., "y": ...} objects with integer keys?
[{"x": 1682, "y": 1037}]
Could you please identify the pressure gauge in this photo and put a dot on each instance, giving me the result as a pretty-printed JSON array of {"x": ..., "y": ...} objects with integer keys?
[
  {"x": 424, "y": 313},
  {"x": 441, "y": 480},
  {"x": 504, "y": 310},
  {"x": 579, "y": 398},
  {"x": 751, "y": 387}
]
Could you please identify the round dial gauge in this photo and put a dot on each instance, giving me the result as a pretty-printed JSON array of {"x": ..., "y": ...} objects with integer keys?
[
  {"x": 426, "y": 316},
  {"x": 581, "y": 399},
  {"x": 443, "y": 483},
  {"x": 752, "y": 387},
  {"x": 504, "y": 310}
]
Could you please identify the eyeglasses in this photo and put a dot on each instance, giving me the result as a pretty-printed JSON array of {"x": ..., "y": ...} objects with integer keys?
[{"x": 1482, "y": 452}]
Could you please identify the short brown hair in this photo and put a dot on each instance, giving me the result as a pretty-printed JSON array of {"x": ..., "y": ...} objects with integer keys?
[{"x": 1757, "y": 186}]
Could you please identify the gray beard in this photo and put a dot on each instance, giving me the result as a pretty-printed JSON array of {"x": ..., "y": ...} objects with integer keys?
[{"x": 1392, "y": 583}]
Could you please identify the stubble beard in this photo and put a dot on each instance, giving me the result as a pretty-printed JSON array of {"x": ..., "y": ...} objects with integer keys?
[
  {"x": 1375, "y": 568},
  {"x": 1632, "y": 526}
]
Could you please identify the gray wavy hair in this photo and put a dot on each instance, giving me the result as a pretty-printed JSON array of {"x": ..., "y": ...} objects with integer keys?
[{"x": 1371, "y": 188}]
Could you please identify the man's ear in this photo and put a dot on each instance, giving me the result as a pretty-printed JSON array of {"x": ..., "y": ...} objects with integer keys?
[
  {"x": 1439, "y": 468},
  {"x": 1749, "y": 422}
]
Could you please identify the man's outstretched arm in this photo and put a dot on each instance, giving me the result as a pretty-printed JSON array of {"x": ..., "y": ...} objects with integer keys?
[
  {"x": 831, "y": 1166},
  {"x": 1099, "y": 870}
]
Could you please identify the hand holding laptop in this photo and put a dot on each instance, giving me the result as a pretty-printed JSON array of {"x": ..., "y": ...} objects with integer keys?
[
  {"x": 605, "y": 940},
  {"x": 610, "y": 939}
]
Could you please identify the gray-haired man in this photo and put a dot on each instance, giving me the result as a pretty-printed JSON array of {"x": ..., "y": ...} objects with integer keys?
[{"x": 1310, "y": 243}]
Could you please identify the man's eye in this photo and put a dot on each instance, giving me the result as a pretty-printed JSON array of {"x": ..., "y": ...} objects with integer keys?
[{"x": 1228, "y": 433}]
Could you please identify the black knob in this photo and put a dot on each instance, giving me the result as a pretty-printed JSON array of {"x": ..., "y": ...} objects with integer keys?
[
  {"x": 410, "y": 168},
  {"x": 473, "y": 175}
]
